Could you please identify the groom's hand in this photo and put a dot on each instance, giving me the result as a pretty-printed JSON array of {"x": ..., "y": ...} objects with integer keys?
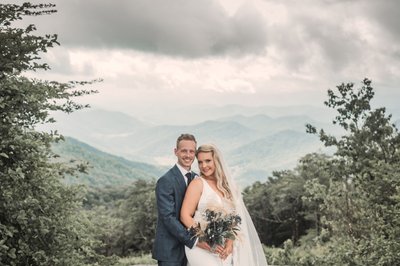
[
  {"x": 203, "y": 245},
  {"x": 218, "y": 249}
]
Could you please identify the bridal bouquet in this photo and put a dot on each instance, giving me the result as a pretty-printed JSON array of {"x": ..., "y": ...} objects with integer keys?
[{"x": 215, "y": 226}]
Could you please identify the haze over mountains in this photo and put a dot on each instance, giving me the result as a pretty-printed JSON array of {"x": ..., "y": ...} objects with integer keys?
[{"x": 253, "y": 142}]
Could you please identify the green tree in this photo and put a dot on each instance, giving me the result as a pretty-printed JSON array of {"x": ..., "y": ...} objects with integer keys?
[
  {"x": 41, "y": 222},
  {"x": 139, "y": 212},
  {"x": 314, "y": 167},
  {"x": 361, "y": 202},
  {"x": 124, "y": 217},
  {"x": 103, "y": 207},
  {"x": 258, "y": 203},
  {"x": 107, "y": 227},
  {"x": 277, "y": 206}
]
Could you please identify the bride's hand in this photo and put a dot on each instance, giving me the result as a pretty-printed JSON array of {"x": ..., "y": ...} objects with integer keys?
[
  {"x": 218, "y": 249},
  {"x": 227, "y": 249}
]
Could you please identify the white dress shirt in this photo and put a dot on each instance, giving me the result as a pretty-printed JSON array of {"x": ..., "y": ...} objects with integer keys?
[{"x": 184, "y": 172}]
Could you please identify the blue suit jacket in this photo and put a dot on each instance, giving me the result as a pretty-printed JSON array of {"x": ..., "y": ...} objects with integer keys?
[{"x": 171, "y": 235}]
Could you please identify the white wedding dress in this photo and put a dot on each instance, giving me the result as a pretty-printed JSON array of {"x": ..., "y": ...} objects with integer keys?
[
  {"x": 198, "y": 256},
  {"x": 247, "y": 249}
]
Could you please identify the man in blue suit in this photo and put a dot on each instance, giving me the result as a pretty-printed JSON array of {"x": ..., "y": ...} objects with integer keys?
[{"x": 171, "y": 235}]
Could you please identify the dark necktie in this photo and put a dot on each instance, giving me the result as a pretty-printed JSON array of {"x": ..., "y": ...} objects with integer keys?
[{"x": 189, "y": 177}]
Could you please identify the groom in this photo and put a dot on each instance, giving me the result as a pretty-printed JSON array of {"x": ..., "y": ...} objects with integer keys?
[{"x": 171, "y": 235}]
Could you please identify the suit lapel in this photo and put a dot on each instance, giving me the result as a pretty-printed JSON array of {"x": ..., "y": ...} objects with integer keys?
[{"x": 179, "y": 178}]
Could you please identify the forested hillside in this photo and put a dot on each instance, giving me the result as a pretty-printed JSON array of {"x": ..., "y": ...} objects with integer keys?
[{"x": 103, "y": 169}]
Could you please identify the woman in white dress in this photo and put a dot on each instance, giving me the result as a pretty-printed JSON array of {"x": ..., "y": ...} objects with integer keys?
[{"x": 215, "y": 189}]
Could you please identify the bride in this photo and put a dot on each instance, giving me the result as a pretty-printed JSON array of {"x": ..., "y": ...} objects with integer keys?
[{"x": 216, "y": 188}]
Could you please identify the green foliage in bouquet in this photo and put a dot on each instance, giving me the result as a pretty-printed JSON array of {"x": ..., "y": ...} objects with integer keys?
[{"x": 217, "y": 227}]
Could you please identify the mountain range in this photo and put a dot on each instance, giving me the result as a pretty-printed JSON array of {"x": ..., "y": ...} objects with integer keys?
[{"x": 253, "y": 145}]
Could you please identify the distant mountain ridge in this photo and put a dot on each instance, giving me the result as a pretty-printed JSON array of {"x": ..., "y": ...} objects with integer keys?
[
  {"x": 194, "y": 114},
  {"x": 279, "y": 151},
  {"x": 253, "y": 146}
]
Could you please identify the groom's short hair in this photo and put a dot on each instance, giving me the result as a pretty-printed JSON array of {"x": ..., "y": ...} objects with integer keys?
[{"x": 185, "y": 136}]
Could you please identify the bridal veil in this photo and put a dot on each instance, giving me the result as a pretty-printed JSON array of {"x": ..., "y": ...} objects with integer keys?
[{"x": 249, "y": 250}]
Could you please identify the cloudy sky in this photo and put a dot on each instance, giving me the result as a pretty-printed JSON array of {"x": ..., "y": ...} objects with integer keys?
[{"x": 155, "y": 53}]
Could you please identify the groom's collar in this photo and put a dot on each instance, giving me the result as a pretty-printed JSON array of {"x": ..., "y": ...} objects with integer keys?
[{"x": 183, "y": 170}]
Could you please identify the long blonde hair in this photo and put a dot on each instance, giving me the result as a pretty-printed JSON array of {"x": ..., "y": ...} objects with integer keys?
[{"x": 220, "y": 175}]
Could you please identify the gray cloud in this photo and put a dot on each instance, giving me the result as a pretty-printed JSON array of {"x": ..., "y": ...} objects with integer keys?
[
  {"x": 337, "y": 46},
  {"x": 387, "y": 14},
  {"x": 187, "y": 28},
  {"x": 202, "y": 28},
  {"x": 299, "y": 45},
  {"x": 338, "y": 35}
]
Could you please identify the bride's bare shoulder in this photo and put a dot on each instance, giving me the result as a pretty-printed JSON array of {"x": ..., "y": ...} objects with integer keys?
[{"x": 196, "y": 184}]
